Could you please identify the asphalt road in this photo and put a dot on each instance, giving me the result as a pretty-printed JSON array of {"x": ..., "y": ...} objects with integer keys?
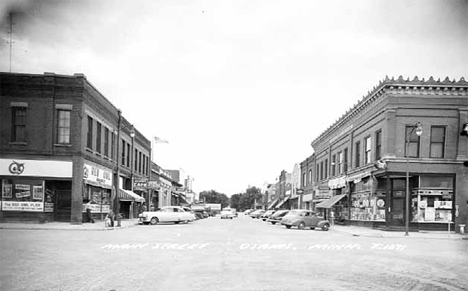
[{"x": 218, "y": 254}]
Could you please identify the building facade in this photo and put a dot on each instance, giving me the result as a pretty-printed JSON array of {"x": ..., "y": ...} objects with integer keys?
[
  {"x": 307, "y": 185},
  {"x": 59, "y": 150},
  {"x": 403, "y": 129}
]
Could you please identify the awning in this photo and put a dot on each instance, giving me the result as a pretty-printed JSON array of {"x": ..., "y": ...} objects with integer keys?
[
  {"x": 127, "y": 195},
  {"x": 282, "y": 202},
  {"x": 307, "y": 198},
  {"x": 272, "y": 203},
  {"x": 330, "y": 202}
]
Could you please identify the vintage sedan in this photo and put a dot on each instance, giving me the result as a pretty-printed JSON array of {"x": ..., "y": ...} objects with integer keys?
[
  {"x": 257, "y": 213},
  {"x": 303, "y": 219},
  {"x": 227, "y": 214},
  {"x": 277, "y": 216},
  {"x": 267, "y": 214},
  {"x": 174, "y": 214}
]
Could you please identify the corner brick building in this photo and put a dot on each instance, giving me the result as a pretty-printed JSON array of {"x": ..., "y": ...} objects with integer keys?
[
  {"x": 60, "y": 141},
  {"x": 361, "y": 161}
]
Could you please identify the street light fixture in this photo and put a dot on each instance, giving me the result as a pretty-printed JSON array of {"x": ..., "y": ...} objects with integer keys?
[{"x": 418, "y": 128}]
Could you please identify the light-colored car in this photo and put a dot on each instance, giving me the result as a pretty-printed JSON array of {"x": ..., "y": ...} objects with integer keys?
[
  {"x": 227, "y": 214},
  {"x": 303, "y": 219},
  {"x": 174, "y": 214}
]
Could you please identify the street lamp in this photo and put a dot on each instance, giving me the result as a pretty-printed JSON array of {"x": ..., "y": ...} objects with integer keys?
[{"x": 418, "y": 127}]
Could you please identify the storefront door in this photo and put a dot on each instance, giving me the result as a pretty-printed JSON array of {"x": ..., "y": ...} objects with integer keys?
[
  {"x": 397, "y": 213},
  {"x": 63, "y": 205}
]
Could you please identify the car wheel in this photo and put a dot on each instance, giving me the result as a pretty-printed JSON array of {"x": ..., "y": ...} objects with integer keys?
[
  {"x": 301, "y": 225},
  {"x": 312, "y": 228},
  {"x": 231, "y": 217},
  {"x": 186, "y": 221},
  {"x": 154, "y": 221},
  {"x": 325, "y": 227},
  {"x": 273, "y": 222},
  {"x": 288, "y": 226},
  {"x": 176, "y": 222}
]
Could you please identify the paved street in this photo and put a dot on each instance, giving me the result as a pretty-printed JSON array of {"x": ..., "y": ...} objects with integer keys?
[{"x": 238, "y": 254}]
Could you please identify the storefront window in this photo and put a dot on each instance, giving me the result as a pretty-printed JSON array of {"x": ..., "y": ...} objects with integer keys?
[
  {"x": 432, "y": 201},
  {"x": 366, "y": 204},
  {"x": 22, "y": 195}
]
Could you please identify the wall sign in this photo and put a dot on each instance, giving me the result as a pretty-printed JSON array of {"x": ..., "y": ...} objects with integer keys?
[
  {"x": 36, "y": 168},
  {"x": 97, "y": 175}
]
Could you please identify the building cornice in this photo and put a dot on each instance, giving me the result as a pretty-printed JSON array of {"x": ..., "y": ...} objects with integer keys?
[{"x": 399, "y": 86}]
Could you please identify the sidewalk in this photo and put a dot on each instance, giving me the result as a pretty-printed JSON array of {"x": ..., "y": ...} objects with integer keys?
[
  {"x": 369, "y": 232},
  {"x": 97, "y": 226}
]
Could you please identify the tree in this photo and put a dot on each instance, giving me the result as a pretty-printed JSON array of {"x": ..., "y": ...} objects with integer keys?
[
  {"x": 235, "y": 201},
  {"x": 247, "y": 200},
  {"x": 214, "y": 197}
]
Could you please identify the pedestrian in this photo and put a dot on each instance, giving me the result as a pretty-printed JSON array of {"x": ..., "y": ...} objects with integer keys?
[
  {"x": 89, "y": 216},
  {"x": 110, "y": 218}
]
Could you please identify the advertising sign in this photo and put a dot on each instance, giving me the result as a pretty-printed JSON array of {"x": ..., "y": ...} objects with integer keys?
[
  {"x": 39, "y": 168},
  {"x": 140, "y": 184},
  {"x": 38, "y": 193},
  {"x": 48, "y": 207},
  {"x": 97, "y": 176},
  {"x": 22, "y": 206}
]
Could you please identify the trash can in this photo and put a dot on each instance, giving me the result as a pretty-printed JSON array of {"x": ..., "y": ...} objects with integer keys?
[{"x": 462, "y": 228}]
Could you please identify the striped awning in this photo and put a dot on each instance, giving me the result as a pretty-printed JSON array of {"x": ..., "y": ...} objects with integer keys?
[
  {"x": 330, "y": 202},
  {"x": 282, "y": 202},
  {"x": 127, "y": 195},
  {"x": 272, "y": 203}
]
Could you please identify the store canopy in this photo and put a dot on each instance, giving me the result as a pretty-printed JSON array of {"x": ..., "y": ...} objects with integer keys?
[
  {"x": 282, "y": 202},
  {"x": 272, "y": 203},
  {"x": 127, "y": 195},
  {"x": 307, "y": 198},
  {"x": 330, "y": 202}
]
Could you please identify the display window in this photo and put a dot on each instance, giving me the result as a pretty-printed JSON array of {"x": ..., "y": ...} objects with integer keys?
[
  {"x": 432, "y": 201},
  {"x": 365, "y": 203},
  {"x": 22, "y": 195},
  {"x": 97, "y": 199}
]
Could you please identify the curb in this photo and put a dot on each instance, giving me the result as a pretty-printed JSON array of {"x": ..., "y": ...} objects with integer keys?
[
  {"x": 70, "y": 229},
  {"x": 405, "y": 237}
]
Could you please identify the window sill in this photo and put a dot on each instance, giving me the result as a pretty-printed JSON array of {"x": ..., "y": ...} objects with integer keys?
[
  {"x": 64, "y": 145},
  {"x": 89, "y": 150},
  {"x": 18, "y": 143}
]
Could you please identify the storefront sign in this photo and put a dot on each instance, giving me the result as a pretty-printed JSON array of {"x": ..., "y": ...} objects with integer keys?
[
  {"x": 38, "y": 193},
  {"x": 96, "y": 208},
  {"x": 140, "y": 184},
  {"x": 22, "y": 206},
  {"x": 48, "y": 207},
  {"x": 97, "y": 176},
  {"x": 153, "y": 185},
  {"x": 36, "y": 168},
  {"x": 7, "y": 191}
]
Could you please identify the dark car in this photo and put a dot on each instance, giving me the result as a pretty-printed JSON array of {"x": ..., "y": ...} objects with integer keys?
[
  {"x": 267, "y": 214},
  {"x": 277, "y": 216},
  {"x": 303, "y": 219}
]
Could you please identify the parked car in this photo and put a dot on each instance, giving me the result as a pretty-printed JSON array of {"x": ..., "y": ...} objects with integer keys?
[
  {"x": 248, "y": 211},
  {"x": 174, "y": 214},
  {"x": 257, "y": 213},
  {"x": 267, "y": 214},
  {"x": 227, "y": 214},
  {"x": 303, "y": 219},
  {"x": 277, "y": 216}
]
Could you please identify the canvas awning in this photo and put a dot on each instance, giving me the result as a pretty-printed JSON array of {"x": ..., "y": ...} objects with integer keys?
[
  {"x": 330, "y": 202},
  {"x": 272, "y": 203},
  {"x": 307, "y": 198},
  {"x": 127, "y": 195},
  {"x": 282, "y": 202}
]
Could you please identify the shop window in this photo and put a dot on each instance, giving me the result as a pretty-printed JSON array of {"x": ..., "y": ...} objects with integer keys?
[
  {"x": 437, "y": 141},
  {"x": 412, "y": 149},
  {"x": 22, "y": 195},
  {"x": 18, "y": 124},
  {"x": 358, "y": 154},
  {"x": 89, "y": 141},
  {"x": 333, "y": 165},
  {"x": 106, "y": 142},
  {"x": 367, "y": 150},
  {"x": 378, "y": 145},
  {"x": 63, "y": 127},
  {"x": 98, "y": 137}
]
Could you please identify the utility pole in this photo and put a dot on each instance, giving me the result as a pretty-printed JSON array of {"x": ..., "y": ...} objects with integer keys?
[{"x": 11, "y": 36}]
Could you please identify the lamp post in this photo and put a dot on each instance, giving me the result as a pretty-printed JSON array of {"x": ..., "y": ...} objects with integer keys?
[
  {"x": 116, "y": 206},
  {"x": 418, "y": 127}
]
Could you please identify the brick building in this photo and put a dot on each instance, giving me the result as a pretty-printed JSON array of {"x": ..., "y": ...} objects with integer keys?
[
  {"x": 361, "y": 161},
  {"x": 307, "y": 185},
  {"x": 64, "y": 145}
]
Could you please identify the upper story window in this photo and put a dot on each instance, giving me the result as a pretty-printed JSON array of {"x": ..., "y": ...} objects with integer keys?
[
  {"x": 63, "y": 128},
  {"x": 321, "y": 171},
  {"x": 98, "y": 137},
  {"x": 345, "y": 162},
  {"x": 378, "y": 145},
  {"x": 412, "y": 150},
  {"x": 89, "y": 141},
  {"x": 140, "y": 162},
  {"x": 340, "y": 162},
  {"x": 326, "y": 168},
  {"x": 135, "y": 160},
  {"x": 123, "y": 152},
  {"x": 437, "y": 142},
  {"x": 128, "y": 155},
  {"x": 303, "y": 179},
  {"x": 112, "y": 146},
  {"x": 357, "y": 160},
  {"x": 18, "y": 131},
  {"x": 367, "y": 150},
  {"x": 333, "y": 165},
  {"x": 310, "y": 177},
  {"x": 106, "y": 142},
  {"x": 317, "y": 172}
]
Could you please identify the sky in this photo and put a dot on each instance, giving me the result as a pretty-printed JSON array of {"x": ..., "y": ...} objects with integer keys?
[{"x": 238, "y": 88}]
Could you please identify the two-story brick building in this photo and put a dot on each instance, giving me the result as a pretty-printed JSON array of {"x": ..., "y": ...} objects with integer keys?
[
  {"x": 62, "y": 145},
  {"x": 362, "y": 161}
]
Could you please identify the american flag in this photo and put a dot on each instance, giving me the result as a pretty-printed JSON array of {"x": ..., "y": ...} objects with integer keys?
[{"x": 159, "y": 140}]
